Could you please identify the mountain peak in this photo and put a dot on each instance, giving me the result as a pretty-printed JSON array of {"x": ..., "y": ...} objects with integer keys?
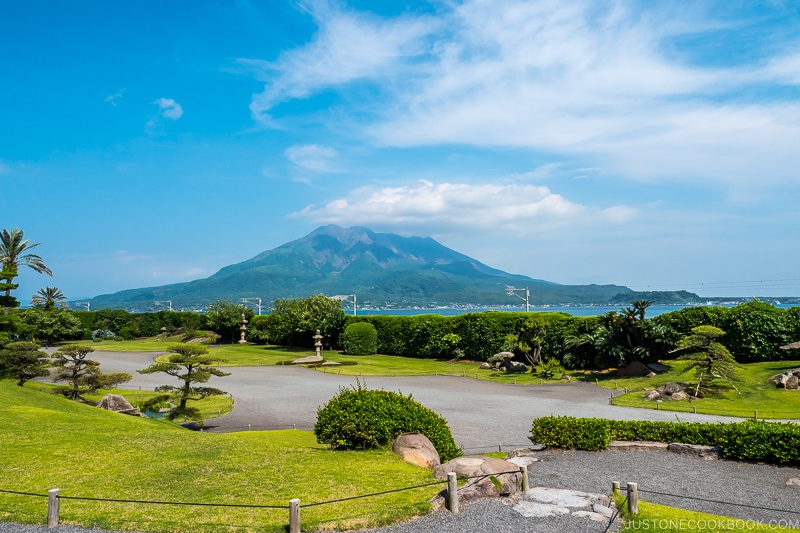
[{"x": 384, "y": 269}]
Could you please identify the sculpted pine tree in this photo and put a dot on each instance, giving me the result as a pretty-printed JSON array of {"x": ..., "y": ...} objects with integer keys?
[
  {"x": 192, "y": 364},
  {"x": 83, "y": 376},
  {"x": 710, "y": 360}
]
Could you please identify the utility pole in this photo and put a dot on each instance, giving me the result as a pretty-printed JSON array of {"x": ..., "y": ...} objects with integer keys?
[
  {"x": 512, "y": 291},
  {"x": 167, "y": 303},
  {"x": 257, "y": 300},
  {"x": 346, "y": 298}
]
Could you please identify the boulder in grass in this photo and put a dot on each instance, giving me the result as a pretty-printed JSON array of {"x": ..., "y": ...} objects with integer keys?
[
  {"x": 634, "y": 369},
  {"x": 416, "y": 448},
  {"x": 118, "y": 404}
]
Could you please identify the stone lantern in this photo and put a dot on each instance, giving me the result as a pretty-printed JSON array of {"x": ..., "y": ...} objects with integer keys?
[
  {"x": 318, "y": 343},
  {"x": 243, "y": 330}
]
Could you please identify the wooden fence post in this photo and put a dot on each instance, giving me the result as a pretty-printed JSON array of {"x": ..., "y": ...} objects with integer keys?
[
  {"x": 53, "y": 508},
  {"x": 294, "y": 515},
  {"x": 615, "y": 487},
  {"x": 452, "y": 492},
  {"x": 524, "y": 470},
  {"x": 633, "y": 498}
]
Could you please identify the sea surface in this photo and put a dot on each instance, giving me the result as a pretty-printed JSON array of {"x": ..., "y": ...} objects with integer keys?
[{"x": 575, "y": 310}]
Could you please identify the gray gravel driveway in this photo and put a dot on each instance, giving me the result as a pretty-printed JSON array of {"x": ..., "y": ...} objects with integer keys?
[{"x": 481, "y": 415}]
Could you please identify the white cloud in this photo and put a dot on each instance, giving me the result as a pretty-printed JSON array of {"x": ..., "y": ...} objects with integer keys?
[
  {"x": 598, "y": 82},
  {"x": 349, "y": 46},
  {"x": 112, "y": 98},
  {"x": 493, "y": 208},
  {"x": 169, "y": 108},
  {"x": 316, "y": 157},
  {"x": 784, "y": 69},
  {"x": 4, "y": 169}
]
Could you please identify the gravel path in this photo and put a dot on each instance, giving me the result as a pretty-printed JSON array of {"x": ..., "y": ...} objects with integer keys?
[{"x": 483, "y": 415}]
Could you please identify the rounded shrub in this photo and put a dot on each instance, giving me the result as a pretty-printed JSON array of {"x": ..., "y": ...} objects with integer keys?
[
  {"x": 358, "y": 419},
  {"x": 359, "y": 338}
]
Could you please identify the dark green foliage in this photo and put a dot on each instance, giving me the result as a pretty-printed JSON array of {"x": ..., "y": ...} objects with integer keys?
[
  {"x": 225, "y": 318},
  {"x": 359, "y": 338},
  {"x": 23, "y": 361},
  {"x": 358, "y": 418},
  {"x": 293, "y": 322},
  {"x": 480, "y": 335},
  {"x": 51, "y": 326},
  {"x": 755, "y": 331},
  {"x": 571, "y": 433},
  {"x": 131, "y": 325},
  {"x": 769, "y": 442}
]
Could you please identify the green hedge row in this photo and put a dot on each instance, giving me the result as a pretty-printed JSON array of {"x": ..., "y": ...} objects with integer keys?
[
  {"x": 754, "y": 331},
  {"x": 481, "y": 334},
  {"x": 769, "y": 442}
]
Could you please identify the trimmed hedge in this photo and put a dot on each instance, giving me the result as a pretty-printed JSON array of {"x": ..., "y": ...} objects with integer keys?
[
  {"x": 770, "y": 442},
  {"x": 359, "y": 338},
  {"x": 358, "y": 418}
]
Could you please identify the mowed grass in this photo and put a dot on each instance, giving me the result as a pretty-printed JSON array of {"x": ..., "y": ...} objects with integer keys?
[
  {"x": 49, "y": 442},
  {"x": 657, "y": 518},
  {"x": 210, "y": 407},
  {"x": 366, "y": 365},
  {"x": 757, "y": 394}
]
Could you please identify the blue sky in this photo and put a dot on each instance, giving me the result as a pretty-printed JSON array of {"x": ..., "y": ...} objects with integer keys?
[{"x": 652, "y": 144}]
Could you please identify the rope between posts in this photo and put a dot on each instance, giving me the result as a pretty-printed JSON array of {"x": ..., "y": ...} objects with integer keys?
[
  {"x": 716, "y": 501},
  {"x": 374, "y": 494},
  {"x": 615, "y": 515},
  {"x": 23, "y": 493}
]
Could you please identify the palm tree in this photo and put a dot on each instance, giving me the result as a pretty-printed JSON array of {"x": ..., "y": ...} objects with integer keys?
[
  {"x": 48, "y": 298},
  {"x": 639, "y": 306},
  {"x": 13, "y": 248}
]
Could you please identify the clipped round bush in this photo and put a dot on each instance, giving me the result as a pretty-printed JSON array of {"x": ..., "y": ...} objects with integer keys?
[
  {"x": 359, "y": 338},
  {"x": 359, "y": 419}
]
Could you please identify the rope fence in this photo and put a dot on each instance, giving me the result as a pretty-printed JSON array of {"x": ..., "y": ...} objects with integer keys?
[
  {"x": 632, "y": 491},
  {"x": 55, "y": 497}
]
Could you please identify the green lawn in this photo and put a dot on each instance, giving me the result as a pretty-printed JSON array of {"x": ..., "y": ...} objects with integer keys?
[
  {"x": 757, "y": 394},
  {"x": 49, "y": 442},
  {"x": 370, "y": 365},
  {"x": 657, "y": 518},
  {"x": 210, "y": 407}
]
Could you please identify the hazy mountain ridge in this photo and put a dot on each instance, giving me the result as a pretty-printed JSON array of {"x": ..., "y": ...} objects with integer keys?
[{"x": 382, "y": 269}]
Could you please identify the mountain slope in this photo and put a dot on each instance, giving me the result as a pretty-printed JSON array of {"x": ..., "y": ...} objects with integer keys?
[{"x": 382, "y": 269}]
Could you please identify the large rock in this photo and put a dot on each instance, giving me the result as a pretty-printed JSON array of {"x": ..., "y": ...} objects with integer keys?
[
  {"x": 787, "y": 380},
  {"x": 705, "y": 452},
  {"x": 308, "y": 360},
  {"x": 485, "y": 366},
  {"x": 516, "y": 368},
  {"x": 118, "y": 404},
  {"x": 635, "y": 369},
  {"x": 417, "y": 449},
  {"x": 482, "y": 473},
  {"x": 505, "y": 355}
]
